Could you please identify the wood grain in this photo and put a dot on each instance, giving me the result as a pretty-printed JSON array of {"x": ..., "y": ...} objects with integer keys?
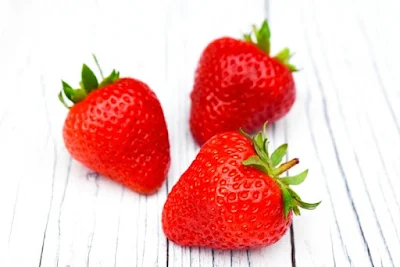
[{"x": 344, "y": 127}]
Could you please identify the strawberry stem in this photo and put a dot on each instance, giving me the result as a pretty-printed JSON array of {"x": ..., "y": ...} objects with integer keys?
[
  {"x": 98, "y": 66},
  {"x": 267, "y": 164},
  {"x": 286, "y": 166}
]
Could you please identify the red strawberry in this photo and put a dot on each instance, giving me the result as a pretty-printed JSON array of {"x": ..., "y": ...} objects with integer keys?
[
  {"x": 117, "y": 128},
  {"x": 239, "y": 85},
  {"x": 233, "y": 196}
]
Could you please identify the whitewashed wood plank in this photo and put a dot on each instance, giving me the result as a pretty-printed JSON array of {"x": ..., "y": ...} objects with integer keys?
[
  {"x": 343, "y": 160},
  {"x": 383, "y": 124},
  {"x": 353, "y": 76},
  {"x": 58, "y": 213},
  {"x": 27, "y": 153},
  {"x": 337, "y": 34}
]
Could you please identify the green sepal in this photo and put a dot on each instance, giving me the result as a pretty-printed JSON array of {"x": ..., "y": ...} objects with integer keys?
[
  {"x": 78, "y": 95},
  {"x": 255, "y": 161},
  {"x": 265, "y": 133},
  {"x": 308, "y": 206},
  {"x": 296, "y": 179},
  {"x": 263, "y": 35},
  {"x": 68, "y": 91},
  {"x": 268, "y": 165},
  {"x": 61, "y": 98},
  {"x": 293, "y": 193},
  {"x": 296, "y": 210},
  {"x": 259, "y": 140},
  {"x": 301, "y": 203},
  {"x": 75, "y": 95},
  {"x": 284, "y": 56},
  {"x": 110, "y": 79},
  {"x": 261, "y": 147},
  {"x": 263, "y": 42},
  {"x": 88, "y": 84},
  {"x": 89, "y": 81},
  {"x": 288, "y": 201},
  {"x": 247, "y": 38},
  {"x": 242, "y": 132},
  {"x": 278, "y": 154}
]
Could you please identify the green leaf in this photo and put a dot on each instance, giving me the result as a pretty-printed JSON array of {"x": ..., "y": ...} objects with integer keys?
[
  {"x": 255, "y": 161},
  {"x": 284, "y": 56},
  {"x": 301, "y": 203},
  {"x": 264, "y": 132},
  {"x": 294, "y": 194},
  {"x": 241, "y": 131},
  {"x": 89, "y": 80},
  {"x": 263, "y": 156},
  {"x": 278, "y": 155},
  {"x": 287, "y": 201},
  {"x": 292, "y": 67},
  {"x": 296, "y": 210},
  {"x": 265, "y": 147},
  {"x": 296, "y": 179},
  {"x": 110, "y": 79},
  {"x": 78, "y": 95},
  {"x": 247, "y": 38},
  {"x": 259, "y": 140},
  {"x": 267, "y": 159},
  {"x": 263, "y": 36},
  {"x": 68, "y": 91},
  {"x": 98, "y": 66},
  {"x": 61, "y": 98},
  {"x": 308, "y": 206}
]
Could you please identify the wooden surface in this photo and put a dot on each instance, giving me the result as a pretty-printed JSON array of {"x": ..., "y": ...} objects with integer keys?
[{"x": 345, "y": 127}]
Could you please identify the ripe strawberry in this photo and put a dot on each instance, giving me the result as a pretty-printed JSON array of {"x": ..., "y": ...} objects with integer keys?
[
  {"x": 239, "y": 85},
  {"x": 117, "y": 128},
  {"x": 232, "y": 195}
]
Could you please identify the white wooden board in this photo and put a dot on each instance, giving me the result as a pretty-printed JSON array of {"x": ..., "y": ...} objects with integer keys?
[{"x": 344, "y": 127}]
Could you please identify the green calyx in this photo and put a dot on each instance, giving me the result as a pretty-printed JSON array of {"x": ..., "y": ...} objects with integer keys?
[
  {"x": 262, "y": 37},
  {"x": 88, "y": 84},
  {"x": 272, "y": 166}
]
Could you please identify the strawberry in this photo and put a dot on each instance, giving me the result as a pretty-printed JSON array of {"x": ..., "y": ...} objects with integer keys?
[
  {"x": 239, "y": 85},
  {"x": 117, "y": 128},
  {"x": 232, "y": 196}
]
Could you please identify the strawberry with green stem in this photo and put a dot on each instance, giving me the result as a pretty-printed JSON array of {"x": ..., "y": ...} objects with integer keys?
[
  {"x": 117, "y": 128},
  {"x": 239, "y": 84},
  {"x": 234, "y": 195}
]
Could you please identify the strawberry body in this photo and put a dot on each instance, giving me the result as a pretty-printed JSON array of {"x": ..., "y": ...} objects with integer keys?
[
  {"x": 220, "y": 203},
  {"x": 239, "y": 85},
  {"x": 119, "y": 131}
]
